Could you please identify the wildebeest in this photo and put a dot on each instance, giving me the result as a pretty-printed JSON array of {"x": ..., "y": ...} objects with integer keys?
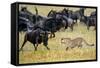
[
  {"x": 36, "y": 37},
  {"x": 93, "y": 14},
  {"x": 26, "y": 22},
  {"x": 56, "y": 15},
  {"x": 26, "y": 17},
  {"x": 49, "y": 24},
  {"x": 36, "y": 32},
  {"x": 89, "y": 21},
  {"x": 75, "y": 15},
  {"x": 63, "y": 20},
  {"x": 69, "y": 22}
]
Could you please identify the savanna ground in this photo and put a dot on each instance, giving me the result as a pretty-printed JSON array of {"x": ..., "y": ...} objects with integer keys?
[{"x": 57, "y": 50}]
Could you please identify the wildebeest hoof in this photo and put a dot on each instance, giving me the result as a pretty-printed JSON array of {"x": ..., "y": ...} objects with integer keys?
[{"x": 48, "y": 48}]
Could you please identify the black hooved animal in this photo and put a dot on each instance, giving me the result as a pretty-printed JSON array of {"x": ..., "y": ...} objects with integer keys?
[{"x": 36, "y": 37}]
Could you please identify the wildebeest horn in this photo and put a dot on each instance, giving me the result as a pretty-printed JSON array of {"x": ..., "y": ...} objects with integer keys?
[{"x": 36, "y": 11}]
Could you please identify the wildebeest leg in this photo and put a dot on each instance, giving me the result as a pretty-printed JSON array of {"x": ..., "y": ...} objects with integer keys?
[
  {"x": 76, "y": 21},
  {"x": 88, "y": 27},
  {"x": 25, "y": 40},
  {"x": 47, "y": 47},
  {"x": 66, "y": 27},
  {"x": 45, "y": 44},
  {"x": 50, "y": 33},
  {"x": 53, "y": 34},
  {"x": 94, "y": 27},
  {"x": 36, "y": 47},
  {"x": 71, "y": 27},
  {"x": 88, "y": 24},
  {"x": 36, "y": 43}
]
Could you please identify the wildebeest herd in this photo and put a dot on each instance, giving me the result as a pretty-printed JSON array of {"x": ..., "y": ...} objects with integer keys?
[{"x": 38, "y": 27}]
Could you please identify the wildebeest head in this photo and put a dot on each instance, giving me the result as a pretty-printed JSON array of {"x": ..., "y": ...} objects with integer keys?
[
  {"x": 93, "y": 14},
  {"x": 65, "y": 11},
  {"x": 23, "y": 8},
  {"x": 51, "y": 13}
]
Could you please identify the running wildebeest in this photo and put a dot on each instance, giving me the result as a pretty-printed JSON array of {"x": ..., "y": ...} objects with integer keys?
[
  {"x": 64, "y": 21},
  {"x": 49, "y": 24},
  {"x": 46, "y": 23},
  {"x": 36, "y": 33},
  {"x": 75, "y": 15},
  {"x": 89, "y": 21},
  {"x": 58, "y": 17},
  {"x": 69, "y": 22},
  {"x": 26, "y": 17},
  {"x": 36, "y": 37}
]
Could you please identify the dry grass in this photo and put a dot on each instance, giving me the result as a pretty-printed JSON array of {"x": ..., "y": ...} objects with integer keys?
[{"x": 57, "y": 50}]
